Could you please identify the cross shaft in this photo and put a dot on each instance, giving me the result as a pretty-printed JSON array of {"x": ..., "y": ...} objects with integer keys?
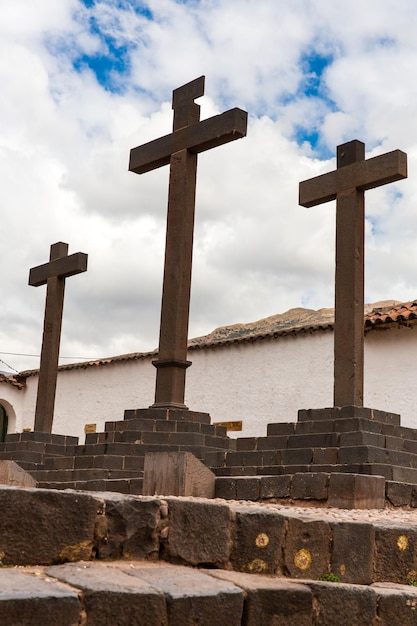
[
  {"x": 53, "y": 274},
  {"x": 179, "y": 149},
  {"x": 347, "y": 185}
]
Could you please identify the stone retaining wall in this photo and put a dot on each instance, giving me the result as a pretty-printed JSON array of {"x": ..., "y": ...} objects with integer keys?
[{"x": 107, "y": 558}]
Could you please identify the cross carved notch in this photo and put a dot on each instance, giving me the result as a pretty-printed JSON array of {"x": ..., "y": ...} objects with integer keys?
[
  {"x": 190, "y": 136},
  {"x": 53, "y": 274},
  {"x": 188, "y": 132},
  {"x": 347, "y": 185}
]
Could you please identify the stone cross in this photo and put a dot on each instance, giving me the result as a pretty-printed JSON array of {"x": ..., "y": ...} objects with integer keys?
[
  {"x": 53, "y": 274},
  {"x": 179, "y": 149},
  {"x": 347, "y": 184}
]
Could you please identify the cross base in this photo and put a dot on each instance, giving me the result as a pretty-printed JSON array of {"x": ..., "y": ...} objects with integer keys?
[
  {"x": 170, "y": 383},
  {"x": 348, "y": 411}
]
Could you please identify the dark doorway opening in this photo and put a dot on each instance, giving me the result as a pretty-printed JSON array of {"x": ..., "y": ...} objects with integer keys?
[{"x": 3, "y": 423}]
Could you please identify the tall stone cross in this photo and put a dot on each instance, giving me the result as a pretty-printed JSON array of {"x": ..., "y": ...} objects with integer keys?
[
  {"x": 179, "y": 149},
  {"x": 347, "y": 185},
  {"x": 53, "y": 274}
]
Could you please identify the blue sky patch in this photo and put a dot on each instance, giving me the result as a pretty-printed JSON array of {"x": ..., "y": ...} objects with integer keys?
[
  {"x": 314, "y": 66},
  {"x": 113, "y": 61},
  {"x": 140, "y": 8},
  {"x": 105, "y": 66}
]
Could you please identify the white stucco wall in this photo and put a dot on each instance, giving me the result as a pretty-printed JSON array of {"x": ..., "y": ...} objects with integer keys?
[
  {"x": 257, "y": 382},
  {"x": 391, "y": 372},
  {"x": 262, "y": 382}
]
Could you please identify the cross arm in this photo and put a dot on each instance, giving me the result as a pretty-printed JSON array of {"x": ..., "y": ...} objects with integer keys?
[
  {"x": 197, "y": 137},
  {"x": 63, "y": 267},
  {"x": 363, "y": 175}
]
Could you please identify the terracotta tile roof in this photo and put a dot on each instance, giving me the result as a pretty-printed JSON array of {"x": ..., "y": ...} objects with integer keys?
[
  {"x": 132, "y": 356},
  {"x": 10, "y": 379},
  {"x": 403, "y": 314},
  {"x": 381, "y": 315}
]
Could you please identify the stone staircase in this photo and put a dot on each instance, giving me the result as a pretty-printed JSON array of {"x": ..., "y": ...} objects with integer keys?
[
  {"x": 320, "y": 455},
  {"x": 114, "y": 459},
  {"x": 99, "y": 558},
  {"x": 31, "y": 450},
  {"x": 354, "y": 439}
]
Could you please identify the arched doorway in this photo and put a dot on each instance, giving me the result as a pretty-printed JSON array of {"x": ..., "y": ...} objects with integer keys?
[{"x": 4, "y": 423}]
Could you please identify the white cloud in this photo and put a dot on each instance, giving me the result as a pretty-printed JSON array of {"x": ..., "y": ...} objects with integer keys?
[{"x": 65, "y": 141}]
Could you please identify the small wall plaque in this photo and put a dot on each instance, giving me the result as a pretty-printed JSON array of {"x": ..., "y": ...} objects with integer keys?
[{"x": 230, "y": 425}]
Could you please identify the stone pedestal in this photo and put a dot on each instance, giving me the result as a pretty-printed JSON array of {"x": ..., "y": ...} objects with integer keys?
[
  {"x": 113, "y": 460},
  {"x": 177, "y": 474},
  {"x": 349, "y": 440}
]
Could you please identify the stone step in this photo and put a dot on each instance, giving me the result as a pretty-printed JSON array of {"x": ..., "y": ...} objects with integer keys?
[
  {"x": 92, "y": 473},
  {"x": 46, "y": 527},
  {"x": 343, "y": 455},
  {"x": 346, "y": 490},
  {"x": 129, "y": 485},
  {"x": 114, "y": 430},
  {"x": 117, "y": 455},
  {"x": 336, "y": 413},
  {"x": 47, "y": 438},
  {"x": 139, "y": 592},
  {"x": 348, "y": 424},
  {"x": 189, "y": 436},
  {"x": 389, "y": 472},
  {"x": 158, "y": 437},
  {"x": 175, "y": 415}
]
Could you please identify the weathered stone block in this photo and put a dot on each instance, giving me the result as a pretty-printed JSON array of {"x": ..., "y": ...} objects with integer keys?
[
  {"x": 177, "y": 474},
  {"x": 272, "y": 442},
  {"x": 276, "y": 486},
  {"x": 297, "y": 456},
  {"x": 284, "y": 428},
  {"x": 353, "y": 547},
  {"x": 207, "y": 527},
  {"x": 26, "y": 599},
  {"x": 372, "y": 414},
  {"x": 314, "y": 440},
  {"x": 404, "y": 474},
  {"x": 246, "y": 443},
  {"x": 325, "y": 456},
  {"x": 128, "y": 527},
  {"x": 356, "y": 491},
  {"x": 259, "y": 536},
  {"x": 193, "y": 597},
  {"x": 340, "y": 603},
  {"x": 13, "y": 475},
  {"x": 396, "y": 604},
  {"x": 310, "y": 415},
  {"x": 361, "y": 438},
  {"x": 307, "y": 548},
  {"x": 112, "y": 597},
  {"x": 274, "y": 601},
  {"x": 398, "y": 494},
  {"x": 225, "y": 487},
  {"x": 46, "y": 526},
  {"x": 395, "y": 553},
  {"x": 248, "y": 488},
  {"x": 310, "y": 486}
]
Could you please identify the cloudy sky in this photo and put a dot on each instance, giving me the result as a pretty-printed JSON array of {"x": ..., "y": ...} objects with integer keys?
[{"x": 82, "y": 82}]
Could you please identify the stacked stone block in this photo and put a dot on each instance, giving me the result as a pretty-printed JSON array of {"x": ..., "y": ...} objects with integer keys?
[
  {"x": 352, "y": 440},
  {"x": 112, "y": 558},
  {"x": 113, "y": 460},
  {"x": 323, "y": 442},
  {"x": 31, "y": 450}
]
